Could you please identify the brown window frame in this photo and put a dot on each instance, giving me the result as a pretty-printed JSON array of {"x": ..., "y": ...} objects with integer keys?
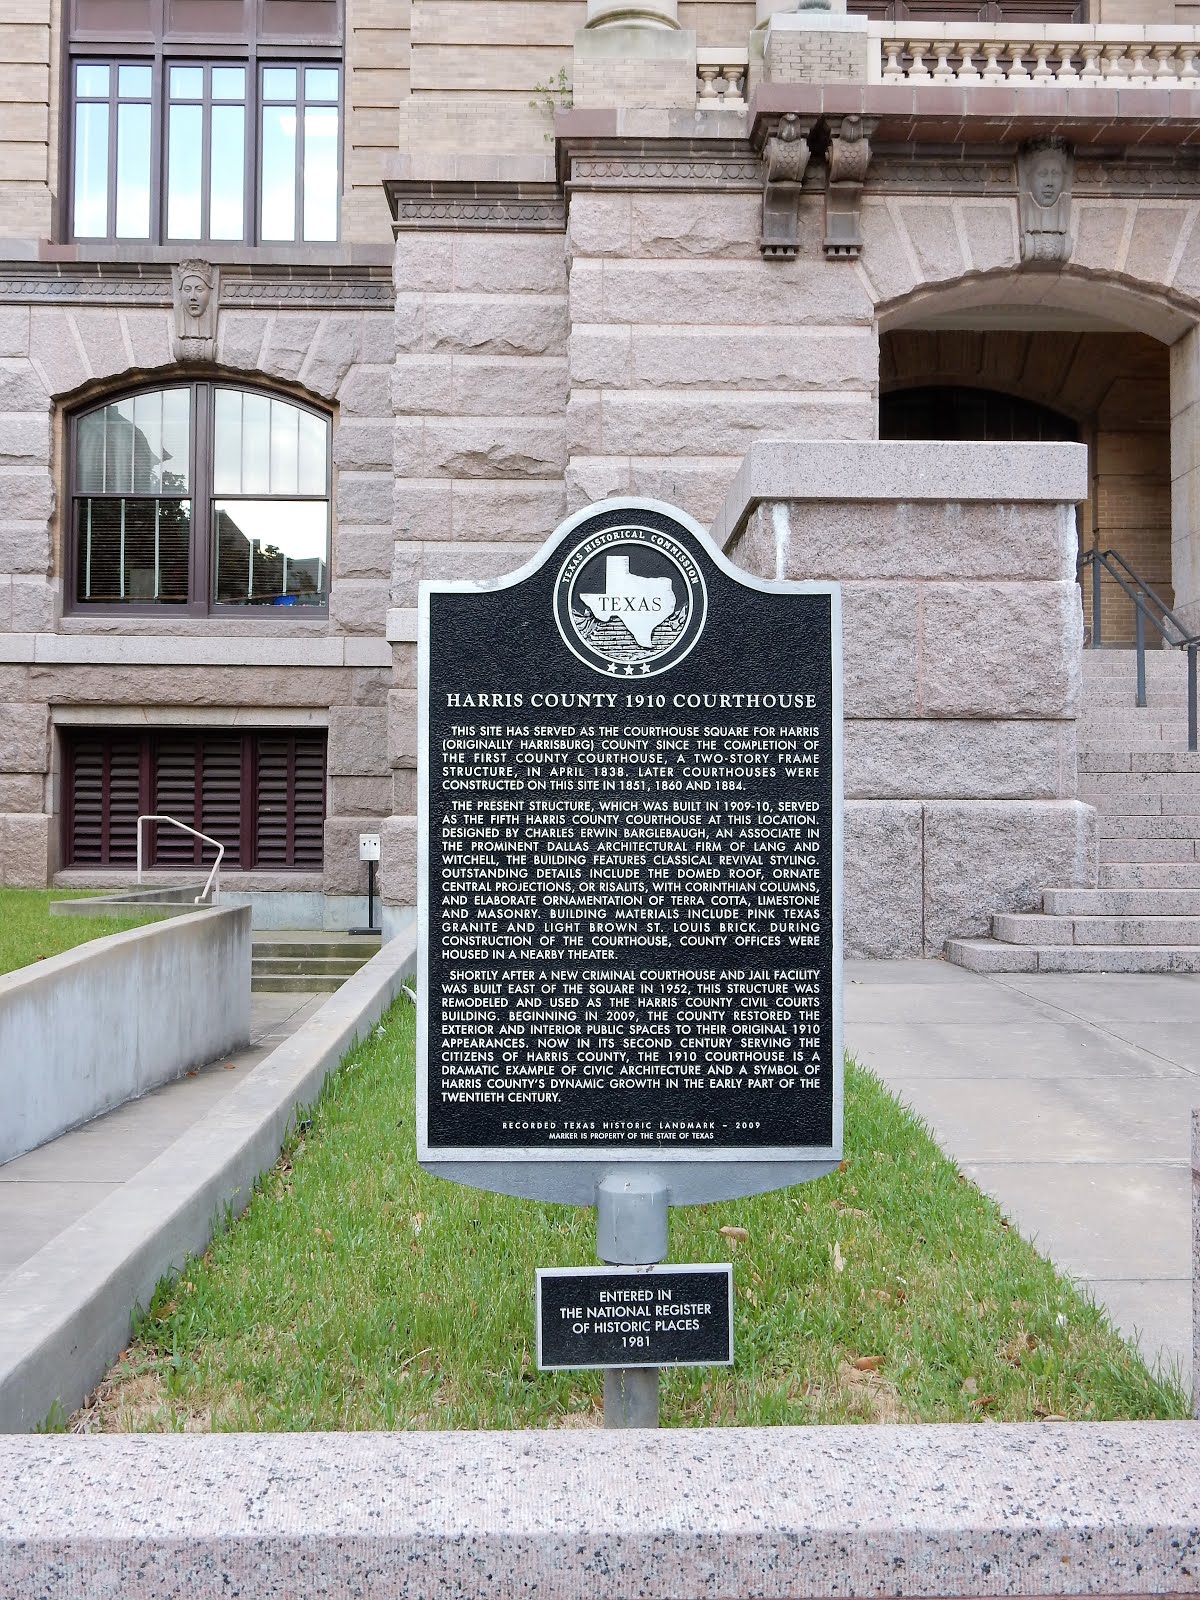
[
  {"x": 201, "y": 494},
  {"x": 243, "y": 858},
  {"x": 160, "y": 48}
]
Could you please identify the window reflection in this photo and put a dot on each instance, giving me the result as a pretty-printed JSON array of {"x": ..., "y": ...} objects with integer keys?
[{"x": 271, "y": 553}]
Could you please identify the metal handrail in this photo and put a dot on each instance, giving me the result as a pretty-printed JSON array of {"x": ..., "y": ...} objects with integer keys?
[
  {"x": 1143, "y": 596},
  {"x": 213, "y": 880}
]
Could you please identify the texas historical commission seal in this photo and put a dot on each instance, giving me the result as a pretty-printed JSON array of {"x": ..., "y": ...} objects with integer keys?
[{"x": 630, "y": 602}]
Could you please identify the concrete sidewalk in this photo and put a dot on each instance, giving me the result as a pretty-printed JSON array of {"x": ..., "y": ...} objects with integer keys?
[{"x": 1067, "y": 1098}]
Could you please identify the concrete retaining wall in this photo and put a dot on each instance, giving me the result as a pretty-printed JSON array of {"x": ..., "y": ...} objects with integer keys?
[
  {"x": 87, "y": 1030},
  {"x": 704, "y": 1514}
]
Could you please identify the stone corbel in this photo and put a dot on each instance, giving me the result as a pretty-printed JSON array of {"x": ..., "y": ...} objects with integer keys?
[
  {"x": 1044, "y": 170},
  {"x": 196, "y": 294},
  {"x": 785, "y": 157},
  {"x": 847, "y": 157}
]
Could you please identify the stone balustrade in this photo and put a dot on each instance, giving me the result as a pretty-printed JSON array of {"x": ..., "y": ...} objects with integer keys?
[
  {"x": 1042, "y": 55},
  {"x": 721, "y": 76}
]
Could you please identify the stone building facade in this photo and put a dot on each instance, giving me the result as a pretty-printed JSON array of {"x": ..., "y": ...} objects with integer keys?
[{"x": 576, "y": 250}]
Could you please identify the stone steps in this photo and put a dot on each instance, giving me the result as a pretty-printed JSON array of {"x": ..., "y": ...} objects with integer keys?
[
  {"x": 1135, "y": 768},
  {"x": 298, "y": 963},
  {"x": 990, "y": 955}
]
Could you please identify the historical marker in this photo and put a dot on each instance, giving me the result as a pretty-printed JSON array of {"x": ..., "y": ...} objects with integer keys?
[
  {"x": 630, "y": 884},
  {"x": 635, "y": 1317}
]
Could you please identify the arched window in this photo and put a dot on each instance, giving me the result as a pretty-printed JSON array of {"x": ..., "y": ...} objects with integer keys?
[{"x": 202, "y": 497}]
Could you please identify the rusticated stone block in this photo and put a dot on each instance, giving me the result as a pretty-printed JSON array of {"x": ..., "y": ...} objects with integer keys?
[
  {"x": 530, "y": 263},
  {"x": 998, "y": 855},
  {"x": 35, "y": 604},
  {"x": 696, "y": 484},
  {"x": 404, "y": 791},
  {"x": 423, "y": 261},
  {"x": 240, "y": 337},
  {"x": 501, "y": 385},
  {"x": 790, "y": 293},
  {"x": 54, "y": 353},
  {"x": 469, "y": 447},
  {"x": 14, "y": 331},
  {"x": 1001, "y": 649},
  {"x": 364, "y": 497},
  {"x": 103, "y": 339},
  {"x": 22, "y": 389},
  {"x": 423, "y": 385},
  {"x": 21, "y": 791},
  {"x": 402, "y": 728},
  {"x": 366, "y": 391},
  {"x": 991, "y": 231},
  {"x": 933, "y": 237},
  {"x": 24, "y": 546},
  {"x": 754, "y": 358},
  {"x": 363, "y": 552},
  {"x": 949, "y": 539},
  {"x": 592, "y": 478},
  {"x": 585, "y": 423},
  {"x": 340, "y": 342},
  {"x": 358, "y": 742},
  {"x": 291, "y": 337},
  {"x": 421, "y": 507},
  {"x": 363, "y": 445},
  {"x": 24, "y": 735},
  {"x": 601, "y": 357},
  {"x": 24, "y": 442},
  {"x": 882, "y": 879},
  {"x": 886, "y": 259},
  {"x": 923, "y": 758},
  {"x": 727, "y": 423},
  {"x": 498, "y": 325},
  {"x": 361, "y": 797},
  {"x": 398, "y": 861},
  {"x": 505, "y": 509},
  {"x": 149, "y": 337},
  {"x": 24, "y": 850},
  {"x": 881, "y": 649},
  {"x": 26, "y": 496},
  {"x": 359, "y": 605},
  {"x": 599, "y": 225},
  {"x": 696, "y": 226},
  {"x": 452, "y": 560},
  {"x": 369, "y": 685}
]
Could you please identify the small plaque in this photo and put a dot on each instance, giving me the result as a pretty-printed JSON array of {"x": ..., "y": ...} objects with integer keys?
[
  {"x": 368, "y": 847},
  {"x": 662, "y": 1316}
]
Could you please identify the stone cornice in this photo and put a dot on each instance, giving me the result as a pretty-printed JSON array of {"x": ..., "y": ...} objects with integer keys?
[
  {"x": 123, "y": 283},
  {"x": 465, "y": 205}
]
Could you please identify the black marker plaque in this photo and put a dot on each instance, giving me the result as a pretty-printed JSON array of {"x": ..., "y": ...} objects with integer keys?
[
  {"x": 630, "y": 835},
  {"x": 639, "y": 1317}
]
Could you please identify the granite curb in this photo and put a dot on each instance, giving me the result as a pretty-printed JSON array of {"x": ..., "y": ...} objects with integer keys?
[
  {"x": 775, "y": 1513},
  {"x": 66, "y": 1312}
]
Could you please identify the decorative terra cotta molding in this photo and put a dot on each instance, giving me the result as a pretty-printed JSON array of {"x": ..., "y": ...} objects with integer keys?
[
  {"x": 1044, "y": 171},
  {"x": 120, "y": 284},
  {"x": 847, "y": 157},
  {"x": 785, "y": 159}
]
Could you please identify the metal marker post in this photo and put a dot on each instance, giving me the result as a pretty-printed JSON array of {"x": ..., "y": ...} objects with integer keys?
[{"x": 631, "y": 1231}]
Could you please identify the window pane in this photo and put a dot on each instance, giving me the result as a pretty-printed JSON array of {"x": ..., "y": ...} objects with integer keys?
[
  {"x": 147, "y": 443},
  {"x": 133, "y": 172},
  {"x": 285, "y": 448},
  {"x": 271, "y": 554},
  {"x": 278, "y": 172},
  {"x": 279, "y": 83},
  {"x": 227, "y": 446},
  {"x": 229, "y": 83},
  {"x": 133, "y": 83},
  {"x": 227, "y": 185},
  {"x": 187, "y": 83},
  {"x": 320, "y": 173},
  {"x": 321, "y": 83},
  {"x": 176, "y": 440},
  {"x": 256, "y": 444},
  {"x": 132, "y": 550},
  {"x": 314, "y": 454},
  {"x": 91, "y": 79},
  {"x": 89, "y": 453},
  {"x": 183, "y": 171},
  {"x": 118, "y": 447},
  {"x": 91, "y": 171}
]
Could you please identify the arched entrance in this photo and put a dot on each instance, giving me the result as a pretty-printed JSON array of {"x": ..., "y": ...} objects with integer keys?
[{"x": 1108, "y": 390}]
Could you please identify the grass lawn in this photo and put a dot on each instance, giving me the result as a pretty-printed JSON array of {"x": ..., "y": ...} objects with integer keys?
[
  {"x": 358, "y": 1292},
  {"x": 29, "y": 933}
]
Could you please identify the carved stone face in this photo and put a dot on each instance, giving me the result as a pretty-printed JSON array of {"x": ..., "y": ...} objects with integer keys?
[
  {"x": 1048, "y": 177},
  {"x": 195, "y": 294}
]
